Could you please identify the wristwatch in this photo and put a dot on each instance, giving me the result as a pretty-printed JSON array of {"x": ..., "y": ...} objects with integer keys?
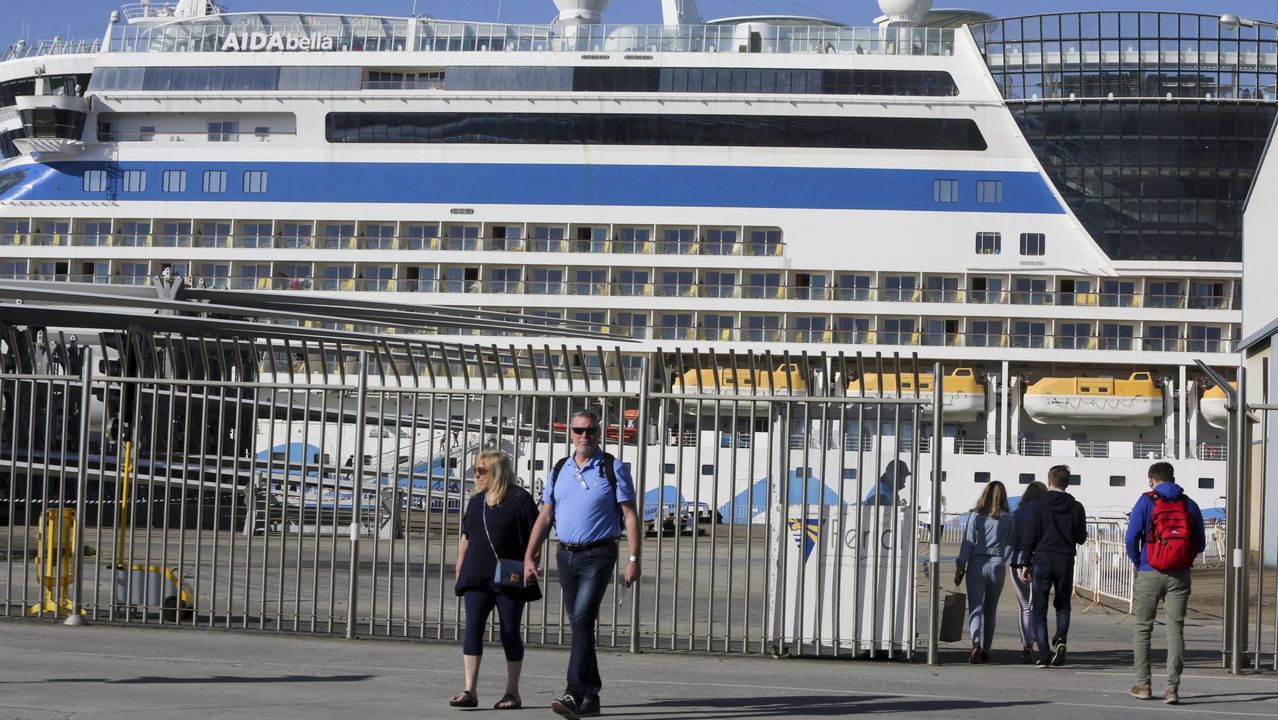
[{"x": 633, "y": 558}]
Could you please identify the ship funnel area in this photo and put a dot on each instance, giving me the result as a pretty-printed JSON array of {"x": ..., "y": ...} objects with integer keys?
[
  {"x": 580, "y": 12},
  {"x": 194, "y": 8},
  {"x": 902, "y": 13}
]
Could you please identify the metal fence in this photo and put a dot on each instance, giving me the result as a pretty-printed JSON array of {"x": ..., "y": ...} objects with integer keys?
[{"x": 315, "y": 486}]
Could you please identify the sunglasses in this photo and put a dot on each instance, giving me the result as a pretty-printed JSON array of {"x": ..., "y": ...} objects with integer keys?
[
  {"x": 589, "y": 430},
  {"x": 481, "y": 470}
]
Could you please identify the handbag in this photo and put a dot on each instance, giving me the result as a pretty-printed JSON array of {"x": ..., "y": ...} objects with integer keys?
[
  {"x": 508, "y": 573},
  {"x": 953, "y": 615}
]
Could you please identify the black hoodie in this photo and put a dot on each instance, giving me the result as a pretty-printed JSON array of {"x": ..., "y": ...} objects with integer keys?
[{"x": 1055, "y": 525}]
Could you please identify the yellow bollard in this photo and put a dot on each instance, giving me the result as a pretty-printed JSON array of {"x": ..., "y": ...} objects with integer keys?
[{"x": 55, "y": 558}]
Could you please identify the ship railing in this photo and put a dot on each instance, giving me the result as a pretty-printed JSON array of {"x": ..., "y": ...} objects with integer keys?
[
  {"x": 1149, "y": 451},
  {"x": 1091, "y": 449},
  {"x": 1213, "y": 451},
  {"x": 56, "y": 46},
  {"x": 963, "y": 446},
  {"x": 430, "y": 84},
  {"x": 1034, "y": 448},
  {"x": 265, "y": 135}
]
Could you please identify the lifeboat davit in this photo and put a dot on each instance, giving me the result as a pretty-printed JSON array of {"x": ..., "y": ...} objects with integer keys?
[
  {"x": 1212, "y": 406},
  {"x": 1094, "y": 401},
  {"x": 739, "y": 384},
  {"x": 962, "y": 395}
]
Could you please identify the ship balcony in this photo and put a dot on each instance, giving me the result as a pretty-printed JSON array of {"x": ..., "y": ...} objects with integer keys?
[{"x": 54, "y": 125}]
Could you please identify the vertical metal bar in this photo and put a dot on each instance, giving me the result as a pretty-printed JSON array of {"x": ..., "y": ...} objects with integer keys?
[
  {"x": 934, "y": 549},
  {"x": 641, "y": 468},
  {"x": 361, "y": 397},
  {"x": 1236, "y": 627},
  {"x": 82, "y": 483}
]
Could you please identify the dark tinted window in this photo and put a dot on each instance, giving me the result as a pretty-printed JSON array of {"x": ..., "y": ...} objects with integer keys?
[{"x": 625, "y": 129}]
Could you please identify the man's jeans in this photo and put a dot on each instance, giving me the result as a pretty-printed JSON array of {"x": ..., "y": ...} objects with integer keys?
[
  {"x": 1152, "y": 586},
  {"x": 584, "y": 577},
  {"x": 1055, "y": 574}
]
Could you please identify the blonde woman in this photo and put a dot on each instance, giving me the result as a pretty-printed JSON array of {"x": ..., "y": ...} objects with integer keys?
[
  {"x": 498, "y": 520},
  {"x": 987, "y": 545}
]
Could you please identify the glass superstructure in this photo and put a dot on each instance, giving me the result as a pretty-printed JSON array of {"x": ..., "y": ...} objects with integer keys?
[{"x": 1150, "y": 125}]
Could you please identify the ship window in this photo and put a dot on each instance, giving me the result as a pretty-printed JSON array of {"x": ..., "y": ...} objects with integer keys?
[
  {"x": 1033, "y": 244},
  {"x": 1075, "y": 480},
  {"x": 981, "y": 477},
  {"x": 1026, "y": 478},
  {"x": 989, "y": 243},
  {"x": 262, "y": 133},
  {"x": 539, "y": 465},
  {"x": 214, "y": 181},
  {"x": 849, "y": 473},
  {"x": 669, "y": 468},
  {"x": 133, "y": 181},
  {"x": 989, "y": 191},
  {"x": 95, "y": 180},
  {"x": 1117, "y": 480},
  {"x": 945, "y": 191},
  {"x": 254, "y": 181},
  {"x": 146, "y": 133},
  {"x": 1206, "y": 483},
  {"x": 707, "y": 469},
  {"x": 223, "y": 130},
  {"x": 174, "y": 181}
]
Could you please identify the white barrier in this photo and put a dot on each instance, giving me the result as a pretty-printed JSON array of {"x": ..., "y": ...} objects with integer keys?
[{"x": 1103, "y": 569}]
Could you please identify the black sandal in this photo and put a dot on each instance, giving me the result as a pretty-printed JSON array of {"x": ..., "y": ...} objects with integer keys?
[
  {"x": 508, "y": 702},
  {"x": 464, "y": 699}
]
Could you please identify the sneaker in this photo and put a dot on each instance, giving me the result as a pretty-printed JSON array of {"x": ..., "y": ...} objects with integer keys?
[
  {"x": 974, "y": 658},
  {"x": 1058, "y": 655},
  {"x": 1027, "y": 655},
  {"x": 1142, "y": 692},
  {"x": 567, "y": 706},
  {"x": 590, "y": 707},
  {"x": 1171, "y": 695},
  {"x": 1043, "y": 663}
]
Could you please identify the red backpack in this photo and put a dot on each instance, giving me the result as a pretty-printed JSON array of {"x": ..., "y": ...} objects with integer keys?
[{"x": 1170, "y": 544}]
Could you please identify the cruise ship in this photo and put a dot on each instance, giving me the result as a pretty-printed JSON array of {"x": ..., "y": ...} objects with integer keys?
[{"x": 1049, "y": 206}]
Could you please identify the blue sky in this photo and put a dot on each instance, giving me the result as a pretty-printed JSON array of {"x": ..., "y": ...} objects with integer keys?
[{"x": 87, "y": 18}]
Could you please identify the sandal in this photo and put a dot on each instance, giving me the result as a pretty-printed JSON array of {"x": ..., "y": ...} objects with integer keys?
[
  {"x": 464, "y": 699},
  {"x": 508, "y": 702}
]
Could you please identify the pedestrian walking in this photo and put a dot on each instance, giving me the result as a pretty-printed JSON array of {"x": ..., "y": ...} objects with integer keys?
[
  {"x": 588, "y": 496},
  {"x": 1022, "y": 585},
  {"x": 495, "y": 531},
  {"x": 1164, "y": 536},
  {"x": 1045, "y": 556},
  {"x": 983, "y": 560}
]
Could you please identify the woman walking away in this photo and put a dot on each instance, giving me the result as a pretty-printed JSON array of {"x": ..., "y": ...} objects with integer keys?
[
  {"x": 499, "y": 518},
  {"x": 987, "y": 542},
  {"x": 1033, "y": 492}
]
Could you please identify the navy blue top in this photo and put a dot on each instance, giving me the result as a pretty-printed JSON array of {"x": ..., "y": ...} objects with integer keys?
[
  {"x": 509, "y": 523},
  {"x": 585, "y": 506},
  {"x": 1142, "y": 518}
]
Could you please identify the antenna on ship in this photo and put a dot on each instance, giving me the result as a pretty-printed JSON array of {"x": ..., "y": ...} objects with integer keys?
[{"x": 680, "y": 12}]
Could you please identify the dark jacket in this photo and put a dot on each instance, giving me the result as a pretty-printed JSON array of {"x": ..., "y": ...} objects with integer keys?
[
  {"x": 1020, "y": 519},
  {"x": 509, "y": 525},
  {"x": 1054, "y": 526},
  {"x": 1142, "y": 517}
]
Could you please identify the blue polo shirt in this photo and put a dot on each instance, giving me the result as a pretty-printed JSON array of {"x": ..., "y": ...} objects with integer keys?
[{"x": 585, "y": 509}]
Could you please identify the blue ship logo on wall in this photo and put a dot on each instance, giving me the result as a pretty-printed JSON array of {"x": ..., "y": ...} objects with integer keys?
[{"x": 806, "y": 533}]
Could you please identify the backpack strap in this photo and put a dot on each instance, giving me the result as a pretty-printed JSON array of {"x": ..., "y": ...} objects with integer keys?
[
  {"x": 610, "y": 472},
  {"x": 554, "y": 475}
]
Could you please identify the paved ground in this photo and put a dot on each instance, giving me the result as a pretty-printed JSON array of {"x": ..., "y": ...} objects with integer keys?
[{"x": 100, "y": 672}]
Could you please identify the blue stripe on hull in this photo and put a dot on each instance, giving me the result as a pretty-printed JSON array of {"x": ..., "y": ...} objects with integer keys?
[{"x": 538, "y": 184}]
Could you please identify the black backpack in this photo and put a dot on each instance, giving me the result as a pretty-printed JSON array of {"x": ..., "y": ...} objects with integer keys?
[{"x": 610, "y": 472}]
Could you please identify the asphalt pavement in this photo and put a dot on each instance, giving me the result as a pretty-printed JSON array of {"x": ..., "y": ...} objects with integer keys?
[{"x": 103, "y": 672}]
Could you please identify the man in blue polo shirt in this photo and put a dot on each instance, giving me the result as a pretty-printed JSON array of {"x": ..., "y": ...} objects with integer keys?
[{"x": 583, "y": 503}]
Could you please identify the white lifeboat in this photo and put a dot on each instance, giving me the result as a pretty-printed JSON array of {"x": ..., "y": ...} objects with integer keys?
[
  {"x": 1094, "y": 401},
  {"x": 962, "y": 396},
  {"x": 1212, "y": 406}
]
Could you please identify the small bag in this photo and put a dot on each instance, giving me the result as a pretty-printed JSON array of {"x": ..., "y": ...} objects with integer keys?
[
  {"x": 508, "y": 573},
  {"x": 953, "y": 616}
]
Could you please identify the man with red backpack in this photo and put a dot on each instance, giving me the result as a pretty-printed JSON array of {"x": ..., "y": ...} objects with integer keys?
[{"x": 1164, "y": 536}]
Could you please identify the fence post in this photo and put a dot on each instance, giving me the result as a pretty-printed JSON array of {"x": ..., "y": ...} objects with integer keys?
[
  {"x": 934, "y": 549},
  {"x": 1237, "y": 622},
  {"x": 81, "y": 487},
  {"x": 357, "y": 499},
  {"x": 641, "y": 463}
]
